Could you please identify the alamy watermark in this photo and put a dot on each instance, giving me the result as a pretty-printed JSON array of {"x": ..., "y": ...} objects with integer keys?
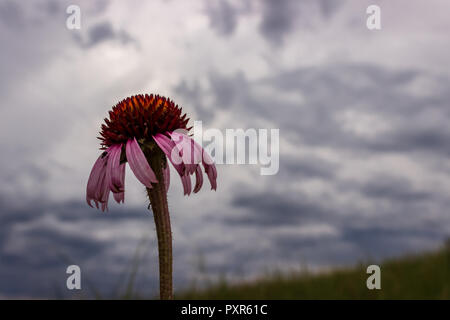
[
  {"x": 232, "y": 146},
  {"x": 374, "y": 280},
  {"x": 373, "y": 21},
  {"x": 73, "y": 21},
  {"x": 73, "y": 281}
]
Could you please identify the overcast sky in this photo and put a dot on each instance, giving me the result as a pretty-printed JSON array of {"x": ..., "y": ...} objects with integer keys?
[{"x": 364, "y": 135}]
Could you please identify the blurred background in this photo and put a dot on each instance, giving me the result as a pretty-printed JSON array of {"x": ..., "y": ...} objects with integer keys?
[{"x": 364, "y": 137}]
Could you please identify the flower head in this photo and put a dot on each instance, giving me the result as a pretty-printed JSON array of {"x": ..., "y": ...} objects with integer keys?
[{"x": 139, "y": 129}]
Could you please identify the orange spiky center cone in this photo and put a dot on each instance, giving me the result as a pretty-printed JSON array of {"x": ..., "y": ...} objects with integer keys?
[{"x": 141, "y": 117}]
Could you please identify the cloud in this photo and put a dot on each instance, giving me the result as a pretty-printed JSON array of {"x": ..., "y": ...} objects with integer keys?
[
  {"x": 223, "y": 16},
  {"x": 39, "y": 241},
  {"x": 103, "y": 32},
  {"x": 227, "y": 89},
  {"x": 323, "y": 96},
  {"x": 308, "y": 167},
  {"x": 268, "y": 210},
  {"x": 11, "y": 15},
  {"x": 192, "y": 94},
  {"x": 330, "y": 7},
  {"x": 279, "y": 18},
  {"x": 349, "y": 158},
  {"x": 394, "y": 188}
]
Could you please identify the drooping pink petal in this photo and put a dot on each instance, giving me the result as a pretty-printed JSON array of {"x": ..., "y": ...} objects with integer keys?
[
  {"x": 121, "y": 175},
  {"x": 166, "y": 173},
  {"x": 208, "y": 163},
  {"x": 171, "y": 151},
  {"x": 119, "y": 197},
  {"x": 198, "y": 179},
  {"x": 190, "y": 155},
  {"x": 97, "y": 189},
  {"x": 206, "y": 158},
  {"x": 211, "y": 172},
  {"x": 186, "y": 181},
  {"x": 139, "y": 164},
  {"x": 116, "y": 171},
  {"x": 210, "y": 168},
  {"x": 94, "y": 176},
  {"x": 103, "y": 191}
]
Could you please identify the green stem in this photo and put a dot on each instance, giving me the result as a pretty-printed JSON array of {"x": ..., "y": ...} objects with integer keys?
[{"x": 158, "y": 202}]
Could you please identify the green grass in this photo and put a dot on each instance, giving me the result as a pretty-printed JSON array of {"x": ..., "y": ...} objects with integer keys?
[{"x": 425, "y": 276}]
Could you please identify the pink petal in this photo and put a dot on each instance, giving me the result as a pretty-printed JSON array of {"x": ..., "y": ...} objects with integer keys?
[
  {"x": 119, "y": 197},
  {"x": 198, "y": 179},
  {"x": 191, "y": 154},
  {"x": 186, "y": 181},
  {"x": 171, "y": 151},
  {"x": 210, "y": 167},
  {"x": 139, "y": 164},
  {"x": 104, "y": 206},
  {"x": 97, "y": 189},
  {"x": 116, "y": 171},
  {"x": 191, "y": 157},
  {"x": 212, "y": 175},
  {"x": 102, "y": 194},
  {"x": 94, "y": 176},
  {"x": 208, "y": 163}
]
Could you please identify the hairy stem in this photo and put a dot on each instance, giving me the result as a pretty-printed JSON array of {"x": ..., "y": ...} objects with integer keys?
[{"x": 158, "y": 202}]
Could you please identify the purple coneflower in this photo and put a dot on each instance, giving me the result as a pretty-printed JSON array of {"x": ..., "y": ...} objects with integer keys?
[{"x": 146, "y": 131}]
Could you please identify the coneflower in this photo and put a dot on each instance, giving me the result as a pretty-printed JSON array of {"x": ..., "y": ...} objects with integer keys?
[{"x": 148, "y": 131}]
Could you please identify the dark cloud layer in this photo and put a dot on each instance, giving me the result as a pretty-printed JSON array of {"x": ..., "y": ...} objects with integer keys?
[
  {"x": 331, "y": 90},
  {"x": 385, "y": 213},
  {"x": 11, "y": 15},
  {"x": 278, "y": 18},
  {"x": 223, "y": 16},
  {"x": 102, "y": 32},
  {"x": 377, "y": 232},
  {"x": 269, "y": 210},
  {"x": 395, "y": 189},
  {"x": 34, "y": 253}
]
